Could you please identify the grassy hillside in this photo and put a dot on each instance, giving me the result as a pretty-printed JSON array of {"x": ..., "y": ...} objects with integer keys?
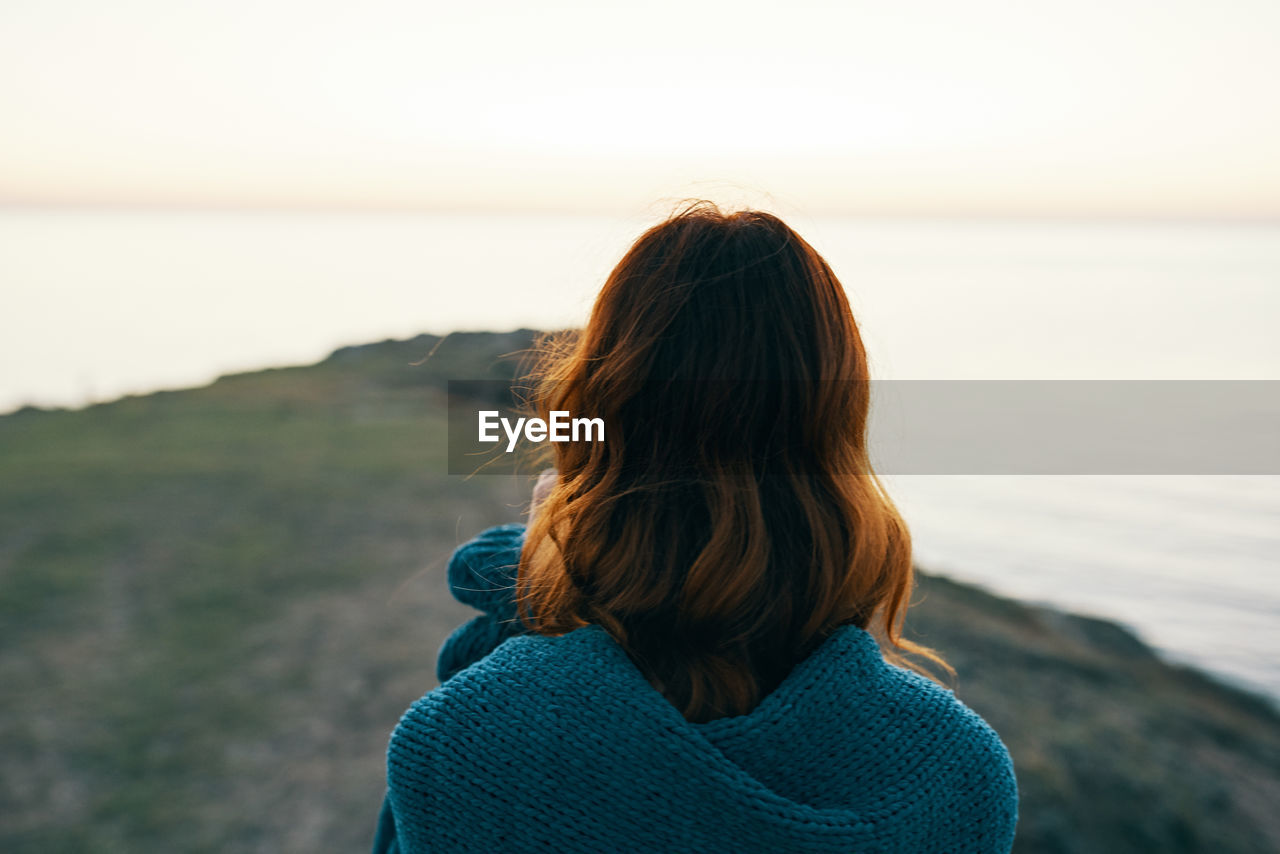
[{"x": 215, "y": 603}]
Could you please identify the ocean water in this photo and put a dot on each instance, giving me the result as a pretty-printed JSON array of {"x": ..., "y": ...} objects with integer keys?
[
  {"x": 99, "y": 304},
  {"x": 1191, "y": 562}
]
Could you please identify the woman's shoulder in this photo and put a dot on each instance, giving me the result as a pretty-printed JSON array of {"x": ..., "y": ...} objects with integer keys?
[
  {"x": 527, "y": 689},
  {"x": 534, "y": 668},
  {"x": 848, "y": 691},
  {"x": 944, "y": 732},
  {"x": 920, "y": 737},
  {"x": 940, "y": 717}
]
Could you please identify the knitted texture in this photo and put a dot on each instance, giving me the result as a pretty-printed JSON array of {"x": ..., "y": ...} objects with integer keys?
[{"x": 560, "y": 744}]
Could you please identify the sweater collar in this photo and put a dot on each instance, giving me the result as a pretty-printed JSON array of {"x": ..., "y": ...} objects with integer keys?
[{"x": 848, "y": 653}]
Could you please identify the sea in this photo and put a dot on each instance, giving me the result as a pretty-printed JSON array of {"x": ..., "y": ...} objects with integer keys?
[{"x": 101, "y": 303}]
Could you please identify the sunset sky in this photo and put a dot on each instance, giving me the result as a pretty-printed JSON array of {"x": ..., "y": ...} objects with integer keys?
[{"x": 1111, "y": 107}]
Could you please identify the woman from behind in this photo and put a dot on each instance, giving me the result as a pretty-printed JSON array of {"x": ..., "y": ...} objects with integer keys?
[{"x": 696, "y": 642}]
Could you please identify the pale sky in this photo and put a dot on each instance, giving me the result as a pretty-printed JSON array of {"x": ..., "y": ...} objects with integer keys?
[{"x": 1111, "y": 107}]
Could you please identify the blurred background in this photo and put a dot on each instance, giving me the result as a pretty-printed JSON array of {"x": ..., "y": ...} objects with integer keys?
[{"x": 231, "y": 232}]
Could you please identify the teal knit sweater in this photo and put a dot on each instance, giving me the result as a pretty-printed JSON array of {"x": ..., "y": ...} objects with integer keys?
[{"x": 559, "y": 744}]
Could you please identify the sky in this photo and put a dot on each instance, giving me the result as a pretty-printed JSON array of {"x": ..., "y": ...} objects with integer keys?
[{"x": 1082, "y": 108}]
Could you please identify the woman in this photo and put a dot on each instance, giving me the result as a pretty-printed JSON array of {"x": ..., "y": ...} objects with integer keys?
[{"x": 679, "y": 652}]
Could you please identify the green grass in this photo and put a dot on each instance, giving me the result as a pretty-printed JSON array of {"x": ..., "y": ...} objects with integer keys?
[{"x": 158, "y": 554}]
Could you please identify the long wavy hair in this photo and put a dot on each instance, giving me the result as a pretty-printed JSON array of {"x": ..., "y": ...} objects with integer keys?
[{"x": 731, "y": 520}]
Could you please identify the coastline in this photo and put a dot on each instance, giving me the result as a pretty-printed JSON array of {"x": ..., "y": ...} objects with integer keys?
[
  {"x": 1115, "y": 748},
  {"x": 224, "y": 597}
]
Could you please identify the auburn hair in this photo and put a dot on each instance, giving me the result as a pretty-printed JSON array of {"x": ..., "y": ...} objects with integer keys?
[{"x": 731, "y": 520}]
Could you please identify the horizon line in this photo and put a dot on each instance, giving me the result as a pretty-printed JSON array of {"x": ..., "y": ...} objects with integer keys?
[{"x": 620, "y": 210}]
